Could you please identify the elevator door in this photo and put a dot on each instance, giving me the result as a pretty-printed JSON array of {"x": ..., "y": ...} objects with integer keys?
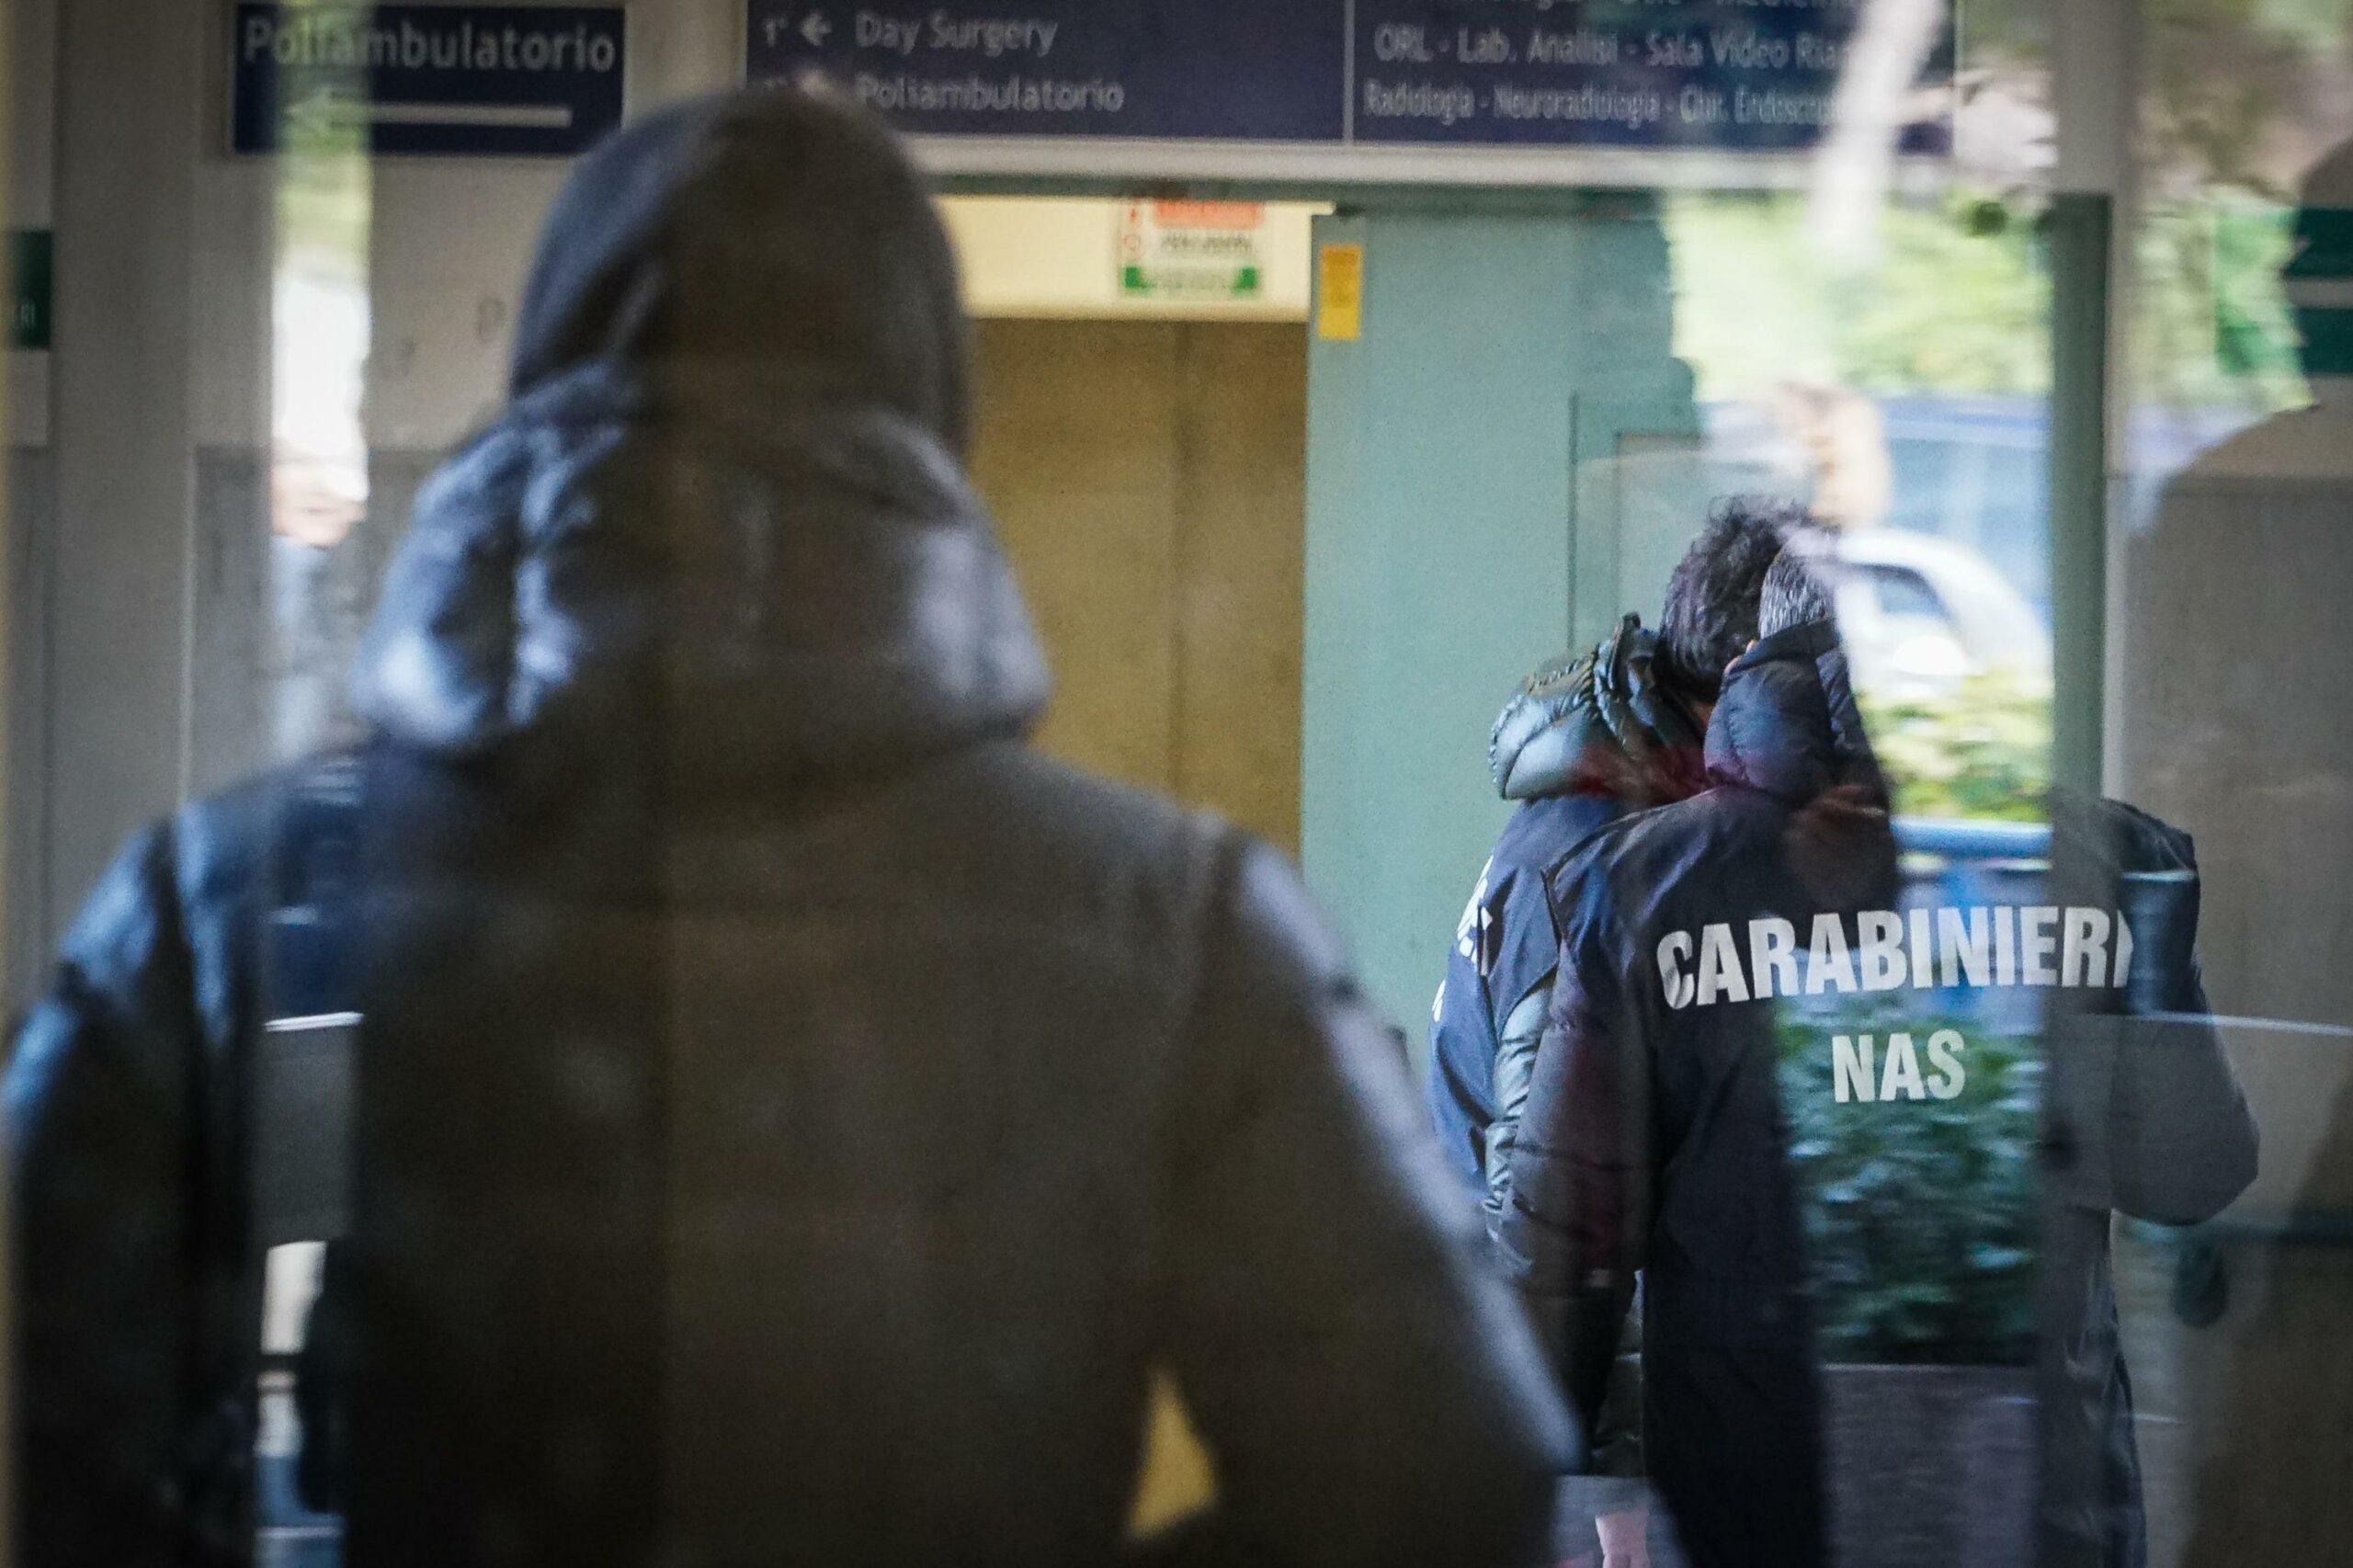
[{"x": 1148, "y": 480}]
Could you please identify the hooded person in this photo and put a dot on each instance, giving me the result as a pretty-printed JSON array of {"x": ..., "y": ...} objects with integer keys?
[
  {"x": 1581, "y": 742},
  {"x": 1803, "y": 1091},
  {"x": 2237, "y": 719},
  {"x": 793, "y": 1120}
]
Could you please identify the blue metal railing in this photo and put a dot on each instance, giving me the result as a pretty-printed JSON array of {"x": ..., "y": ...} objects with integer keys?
[{"x": 1973, "y": 840}]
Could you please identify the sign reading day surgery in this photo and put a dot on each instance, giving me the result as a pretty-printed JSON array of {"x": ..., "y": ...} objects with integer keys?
[
  {"x": 1224, "y": 70},
  {"x": 1721, "y": 74},
  {"x": 491, "y": 80}
]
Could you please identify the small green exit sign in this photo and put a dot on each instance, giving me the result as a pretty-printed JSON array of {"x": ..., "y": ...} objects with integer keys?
[{"x": 33, "y": 265}]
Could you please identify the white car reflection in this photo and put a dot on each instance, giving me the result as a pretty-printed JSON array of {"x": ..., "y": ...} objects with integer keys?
[{"x": 1919, "y": 614}]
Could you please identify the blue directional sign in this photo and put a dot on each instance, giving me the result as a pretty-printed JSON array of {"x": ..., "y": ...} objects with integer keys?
[
  {"x": 1244, "y": 69},
  {"x": 1747, "y": 75},
  {"x": 502, "y": 80},
  {"x": 1761, "y": 75}
]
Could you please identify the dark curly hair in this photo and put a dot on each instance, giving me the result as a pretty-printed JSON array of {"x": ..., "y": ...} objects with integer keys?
[{"x": 1709, "y": 617}]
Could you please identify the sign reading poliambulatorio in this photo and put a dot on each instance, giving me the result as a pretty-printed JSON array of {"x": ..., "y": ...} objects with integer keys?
[
  {"x": 1726, "y": 75},
  {"x": 542, "y": 81}
]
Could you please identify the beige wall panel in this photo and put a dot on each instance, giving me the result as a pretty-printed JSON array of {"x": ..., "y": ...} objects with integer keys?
[
  {"x": 1149, "y": 481},
  {"x": 1075, "y": 448},
  {"x": 1243, "y": 482}
]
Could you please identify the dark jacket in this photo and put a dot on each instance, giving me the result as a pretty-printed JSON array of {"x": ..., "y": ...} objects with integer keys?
[
  {"x": 794, "y": 1117},
  {"x": 1581, "y": 742},
  {"x": 1759, "y": 1041}
]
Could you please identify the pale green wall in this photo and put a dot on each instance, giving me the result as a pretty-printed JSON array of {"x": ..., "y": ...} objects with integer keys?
[{"x": 1473, "y": 507}]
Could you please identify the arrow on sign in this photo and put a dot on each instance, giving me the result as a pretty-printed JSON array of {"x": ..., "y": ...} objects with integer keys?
[
  {"x": 326, "y": 110},
  {"x": 815, "y": 29}
]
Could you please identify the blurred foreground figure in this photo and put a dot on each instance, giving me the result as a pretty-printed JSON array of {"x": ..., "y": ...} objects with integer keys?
[
  {"x": 2240, "y": 724},
  {"x": 1766, "y": 1059},
  {"x": 793, "y": 1117}
]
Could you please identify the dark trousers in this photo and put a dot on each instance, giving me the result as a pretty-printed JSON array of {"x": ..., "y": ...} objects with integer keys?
[{"x": 1733, "y": 1440}]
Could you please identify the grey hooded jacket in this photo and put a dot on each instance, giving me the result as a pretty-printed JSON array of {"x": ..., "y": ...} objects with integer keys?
[{"x": 794, "y": 1117}]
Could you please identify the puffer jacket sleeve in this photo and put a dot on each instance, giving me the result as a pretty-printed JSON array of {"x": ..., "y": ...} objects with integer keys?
[
  {"x": 101, "y": 1109},
  {"x": 1514, "y": 1069},
  {"x": 1524, "y": 945},
  {"x": 1571, "y": 1235},
  {"x": 1365, "y": 1385},
  {"x": 2180, "y": 1139}
]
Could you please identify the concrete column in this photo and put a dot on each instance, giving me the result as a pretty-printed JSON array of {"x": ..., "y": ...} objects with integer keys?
[
  {"x": 129, "y": 95},
  {"x": 2094, "y": 83}
]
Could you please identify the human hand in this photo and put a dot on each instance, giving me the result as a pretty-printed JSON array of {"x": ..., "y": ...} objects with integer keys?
[
  {"x": 1625, "y": 1538},
  {"x": 1842, "y": 848}
]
